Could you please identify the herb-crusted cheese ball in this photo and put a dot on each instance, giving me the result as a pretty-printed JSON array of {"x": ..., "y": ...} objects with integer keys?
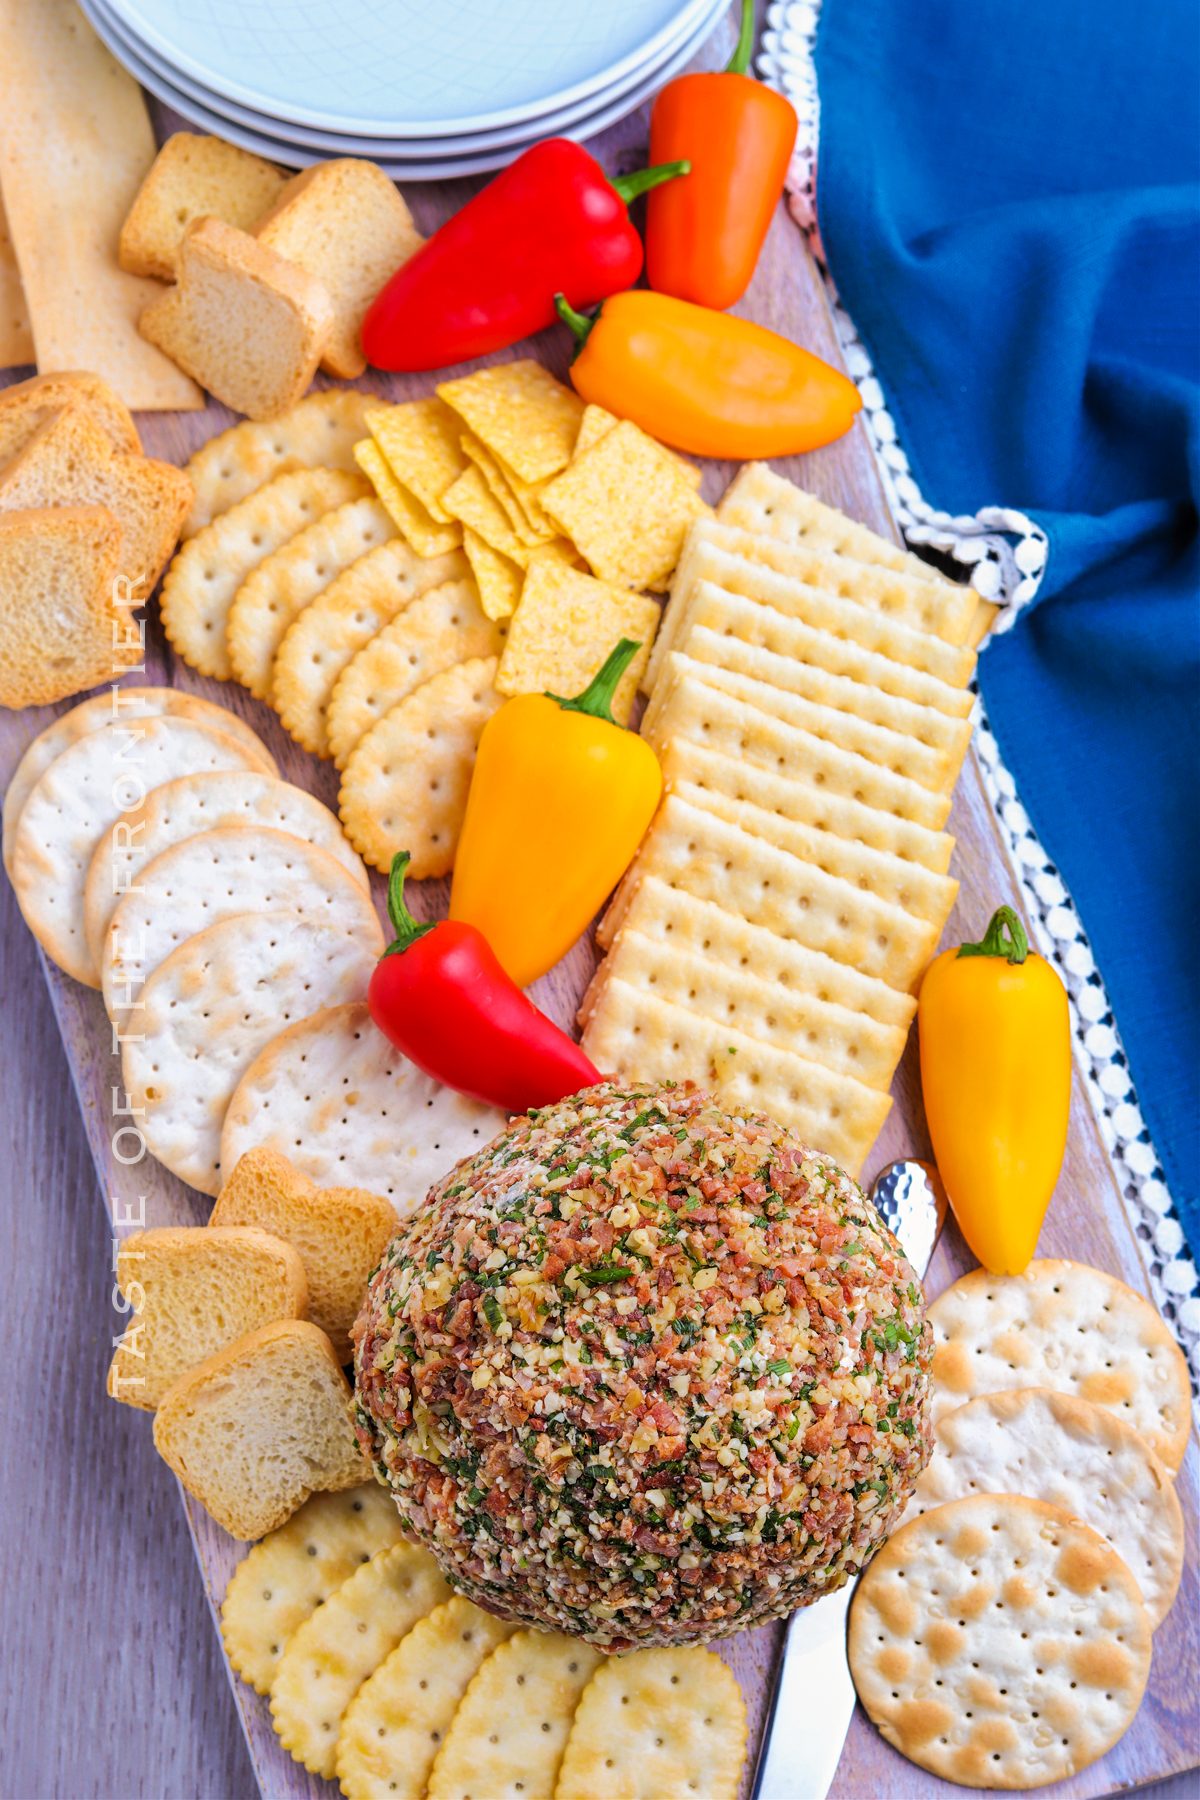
[{"x": 646, "y": 1371}]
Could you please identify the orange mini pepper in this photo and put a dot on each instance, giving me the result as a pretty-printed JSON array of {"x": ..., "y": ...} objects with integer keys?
[
  {"x": 996, "y": 1072},
  {"x": 705, "y": 382},
  {"x": 704, "y": 232}
]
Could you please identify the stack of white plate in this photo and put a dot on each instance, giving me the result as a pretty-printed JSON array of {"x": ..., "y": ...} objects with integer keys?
[{"x": 426, "y": 88}]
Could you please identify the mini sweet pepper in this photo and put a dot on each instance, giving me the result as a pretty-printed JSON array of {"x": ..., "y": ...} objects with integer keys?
[
  {"x": 560, "y": 798},
  {"x": 996, "y": 1072}
]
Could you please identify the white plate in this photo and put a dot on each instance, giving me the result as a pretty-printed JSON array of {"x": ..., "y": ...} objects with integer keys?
[
  {"x": 393, "y": 68},
  {"x": 402, "y": 149},
  {"x": 291, "y": 155}
]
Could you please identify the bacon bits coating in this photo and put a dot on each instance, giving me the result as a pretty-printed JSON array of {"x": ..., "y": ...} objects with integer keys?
[{"x": 645, "y": 1371}]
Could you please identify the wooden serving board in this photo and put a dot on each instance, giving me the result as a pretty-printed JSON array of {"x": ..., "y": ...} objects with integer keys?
[{"x": 1086, "y": 1220}]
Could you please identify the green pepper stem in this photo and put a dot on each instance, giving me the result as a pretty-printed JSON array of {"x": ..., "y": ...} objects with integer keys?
[
  {"x": 577, "y": 322},
  {"x": 597, "y": 698},
  {"x": 642, "y": 180},
  {"x": 1004, "y": 920},
  {"x": 739, "y": 62},
  {"x": 403, "y": 924}
]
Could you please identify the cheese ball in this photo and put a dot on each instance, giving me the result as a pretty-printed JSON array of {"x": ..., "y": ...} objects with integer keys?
[{"x": 646, "y": 1371}]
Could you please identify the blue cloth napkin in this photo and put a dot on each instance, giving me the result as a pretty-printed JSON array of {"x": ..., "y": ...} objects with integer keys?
[{"x": 1007, "y": 195}]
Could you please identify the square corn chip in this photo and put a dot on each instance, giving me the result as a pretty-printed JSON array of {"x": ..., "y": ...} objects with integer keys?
[
  {"x": 565, "y": 627},
  {"x": 706, "y": 714},
  {"x": 736, "y": 779},
  {"x": 635, "y": 1036},
  {"x": 420, "y": 441},
  {"x": 762, "y": 501},
  {"x": 843, "y": 610},
  {"x": 747, "y": 876},
  {"x": 502, "y": 484},
  {"x": 626, "y": 505},
  {"x": 848, "y": 1043},
  {"x": 748, "y": 622},
  {"x": 661, "y": 1722},
  {"x": 472, "y": 502},
  {"x": 792, "y": 675},
  {"x": 497, "y": 577},
  {"x": 597, "y": 423},
  {"x": 906, "y": 885},
  {"x": 931, "y": 768},
  {"x": 525, "y": 417},
  {"x": 672, "y": 916},
  {"x": 412, "y": 521}
]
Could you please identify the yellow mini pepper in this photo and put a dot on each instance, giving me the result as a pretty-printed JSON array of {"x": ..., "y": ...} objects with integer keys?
[
  {"x": 996, "y": 1072},
  {"x": 560, "y": 799}
]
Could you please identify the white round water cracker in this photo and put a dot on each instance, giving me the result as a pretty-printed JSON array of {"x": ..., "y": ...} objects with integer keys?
[
  {"x": 212, "y": 876},
  {"x": 657, "y": 1722},
  {"x": 405, "y": 785},
  {"x": 78, "y": 800},
  {"x": 508, "y": 1736},
  {"x": 332, "y": 1653},
  {"x": 346, "y": 1108},
  {"x": 203, "y": 803},
  {"x": 1069, "y": 1453},
  {"x": 93, "y": 715},
  {"x": 1065, "y": 1326},
  {"x": 210, "y": 1008},
  {"x": 999, "y": 1643},
  {"x": 397, "y": 1721},
  {"x": 283, "y": 1580}
]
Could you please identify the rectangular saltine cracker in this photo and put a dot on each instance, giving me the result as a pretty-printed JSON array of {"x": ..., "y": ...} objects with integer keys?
[
  {"x": 753, "y": 879},
  {"x": 839, "y": 612},
  {"x": 75, "y": 146},
  {"x": 704, "y": 714},
  {"x": 635, "y": 1036}
]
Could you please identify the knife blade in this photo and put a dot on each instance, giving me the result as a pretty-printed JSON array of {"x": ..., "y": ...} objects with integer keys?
[{"x": 814, "y": 1696}]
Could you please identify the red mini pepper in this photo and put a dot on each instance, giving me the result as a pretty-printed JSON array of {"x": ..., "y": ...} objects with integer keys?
[
  {"x": 703, "y": 235},
  {"x": 439, "y": 994},
  {"x": 552, "y": 222}
]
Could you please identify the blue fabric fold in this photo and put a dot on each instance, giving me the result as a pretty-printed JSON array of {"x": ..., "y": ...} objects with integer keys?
[{"x": 1008, "y": 199}]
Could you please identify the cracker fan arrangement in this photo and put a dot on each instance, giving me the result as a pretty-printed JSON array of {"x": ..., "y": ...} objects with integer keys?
[{"x": 530, "y": 1360}]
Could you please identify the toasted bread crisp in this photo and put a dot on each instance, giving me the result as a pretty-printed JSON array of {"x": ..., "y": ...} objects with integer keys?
[
  {"x": 283, "y": 1580},
  {"x": 104, "y": 712},
  {"x": 205, "y": 577},
  {"x": 405, "y": 783},
  {"x": 319, "y": 433},
  {"x": 194, "y": 1292},
  {"x": 339, "y": 1232},
  {"x": 260, "y": 1426},
  {"x": 999, "y": 1643},
  {"x": 60, "y": 630},
  {"x": 247, "y": 324},
  {"x": 69, "y": 461},
  {"x": 332, "y": 1653},
  {"x": 344, "y": 222},
  {"x": 193, "y": 177},
  {"x": 30, "y": 403},
  {"x": 656, "y": 1722},
  {"x": 211, "y": 1007}
]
